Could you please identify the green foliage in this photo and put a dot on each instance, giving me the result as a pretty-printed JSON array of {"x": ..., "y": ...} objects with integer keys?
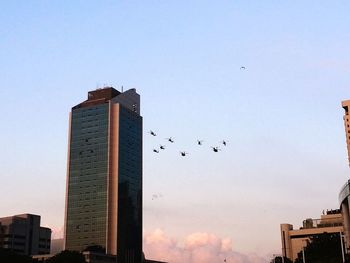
[
  {"x": 322, "y": 248},
  {"x": 67, "y": 256},
  {"x": 96, "y": 248},
  {"x": 278, "y": 259},
  {"x": 9, "y": 256}
]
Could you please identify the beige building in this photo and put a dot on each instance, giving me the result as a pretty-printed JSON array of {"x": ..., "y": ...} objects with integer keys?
[
  {"x": 344, "y": 194},
  {"x": 346, "y": 104},
  {"x": 294, "y": 240}
]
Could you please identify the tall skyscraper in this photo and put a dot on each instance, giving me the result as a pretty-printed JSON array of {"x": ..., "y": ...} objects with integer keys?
[{"x": 104, "y": 175}]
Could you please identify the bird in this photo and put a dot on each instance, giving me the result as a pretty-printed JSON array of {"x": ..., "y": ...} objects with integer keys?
[
  {"x": 200, "y": 142},
  {"x": 215, "y": 149},
  {"x": 242, "y": 67},
  {"x": 155, "y": 150},
  {"x": 224, "y": 142},
  {"x": 170, "y": 139},
  {"x": 152, "y": 133},
  {"x": 162, "y": 147},
  {"x": 183, "y": 153}
]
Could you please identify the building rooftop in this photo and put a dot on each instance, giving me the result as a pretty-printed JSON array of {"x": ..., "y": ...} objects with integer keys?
[{"x": 99, "y": 96}]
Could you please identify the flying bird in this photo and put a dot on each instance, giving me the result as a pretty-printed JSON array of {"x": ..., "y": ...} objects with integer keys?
[
  {"x": 215, "y": 149},
  {"x": 224, "y": 142},
  {"x": 242, "y": 67},
  {"x": 156, "y": 196},
  {"x": 155, "y": 150},
  {"x": 152, "y": 133},
  {"x": 162, "y": 147},
  {"x": 183, "y": 153},
  {"x": 200, "y": 142},
  {"x": 170, "y": 139}
]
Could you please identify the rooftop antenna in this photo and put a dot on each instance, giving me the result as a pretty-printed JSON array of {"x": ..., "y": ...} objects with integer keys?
[{"x": 122, "y": 89}]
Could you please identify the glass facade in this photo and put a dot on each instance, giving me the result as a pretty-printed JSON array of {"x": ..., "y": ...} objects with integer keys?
[
  {"x": 130, "y": 187},
  {"x": 104, "y": 188},
  {"x": 88, "y": 175}
]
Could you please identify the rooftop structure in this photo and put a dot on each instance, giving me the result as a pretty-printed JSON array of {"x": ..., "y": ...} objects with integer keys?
[{"x": 294, "y": 240}]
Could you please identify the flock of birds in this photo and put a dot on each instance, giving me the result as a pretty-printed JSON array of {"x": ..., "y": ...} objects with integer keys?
[{"x": 184, "y": 153}]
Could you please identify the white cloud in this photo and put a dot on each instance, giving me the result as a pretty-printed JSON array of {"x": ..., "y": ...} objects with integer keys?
[
  {"x": 57, "y": 232},
  {"x": 197, "y": 248}
]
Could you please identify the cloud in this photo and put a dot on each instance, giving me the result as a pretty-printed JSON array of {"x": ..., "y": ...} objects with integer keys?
[
  {"x": 57, "y": 232},
  {"x": 197, "y": 248}
]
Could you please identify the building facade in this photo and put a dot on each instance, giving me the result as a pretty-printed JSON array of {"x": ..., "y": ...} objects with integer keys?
[
  {"x": 104, "y": 175},
  {"x": 24, "y": 235},
  {"x": 344, "y": 194},
  {"x": 344, "y": 201},
  {"x": 294, "y": 240},
  {"x": 346, "y": 106}
]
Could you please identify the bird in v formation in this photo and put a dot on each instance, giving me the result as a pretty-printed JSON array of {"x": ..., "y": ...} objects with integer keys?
[{"x": 184, "y": 153}]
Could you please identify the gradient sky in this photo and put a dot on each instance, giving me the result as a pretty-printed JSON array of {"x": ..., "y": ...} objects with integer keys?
[{"x": 286, "y": 159}]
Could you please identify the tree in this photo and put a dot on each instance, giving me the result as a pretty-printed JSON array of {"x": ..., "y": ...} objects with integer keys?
[
  {"x": 278, "y": 259},
  {"x": 322, "y": 248},
  {"x": 96, "y": 248},
  {"x": 9, "y": 256},
  {"x": 67, "y": 256}
]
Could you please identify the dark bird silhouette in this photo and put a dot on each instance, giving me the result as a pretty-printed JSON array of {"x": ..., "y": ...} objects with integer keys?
[
  {"x": 162, "y": 147},
  {"x": 183, "y": 153},
  {"x": 152, "y": 133},
  {"x": 215, "y": 149},
  {"x": 242, "y": 68},
  {"x": 155, "y": 150},
  {"x": 170, "y": 139},
  {"x": 200, "y": 142},
  {"x": 224, "y": 142},
  {"x": 156, "y": 196}
]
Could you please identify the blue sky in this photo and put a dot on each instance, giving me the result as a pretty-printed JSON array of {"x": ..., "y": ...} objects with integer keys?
[{"x": 286, "y": 159}]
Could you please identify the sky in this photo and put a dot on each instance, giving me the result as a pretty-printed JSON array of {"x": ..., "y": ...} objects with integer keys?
[{"x": 286, "y": 156}]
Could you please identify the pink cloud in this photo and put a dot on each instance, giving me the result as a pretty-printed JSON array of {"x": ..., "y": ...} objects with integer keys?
[
  {"x": 197, "y": 248},
  {"x": 57, "y": 232}
]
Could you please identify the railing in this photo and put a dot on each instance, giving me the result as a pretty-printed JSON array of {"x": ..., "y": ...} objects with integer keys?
[{"x": 319, "y": 223}]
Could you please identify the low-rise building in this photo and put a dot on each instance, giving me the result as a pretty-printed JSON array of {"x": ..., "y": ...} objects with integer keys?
[
  {"x": 24, "y": 235},
  {"x": 294, "y": 240}
]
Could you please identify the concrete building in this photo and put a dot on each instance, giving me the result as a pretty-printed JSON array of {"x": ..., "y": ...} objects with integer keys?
[
  {"x": 24, "y": 235},
  {"x": 346, "y": 104},
  {"x": 104, "y": 175},
  {"x": 294, "y": 240},
  {"x": 344, "y": 194},
  {"x": 344, "y": 199}
]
